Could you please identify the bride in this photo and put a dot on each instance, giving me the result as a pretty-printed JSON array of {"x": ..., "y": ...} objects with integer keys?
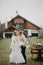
[{"x": 16, "y": 55}]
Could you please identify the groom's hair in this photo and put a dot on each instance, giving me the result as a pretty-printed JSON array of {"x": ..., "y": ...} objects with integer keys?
[{"x": 14, "y": 33}]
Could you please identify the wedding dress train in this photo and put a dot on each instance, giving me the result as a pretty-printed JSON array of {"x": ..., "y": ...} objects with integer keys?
[{"x": 16, "y": 55}]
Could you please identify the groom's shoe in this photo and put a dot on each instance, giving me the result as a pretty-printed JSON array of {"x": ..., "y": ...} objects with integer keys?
[{"x": 23, "y": 63}]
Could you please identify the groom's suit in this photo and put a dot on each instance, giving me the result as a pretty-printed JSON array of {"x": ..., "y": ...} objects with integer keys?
[{"x": 23, "y": 47}]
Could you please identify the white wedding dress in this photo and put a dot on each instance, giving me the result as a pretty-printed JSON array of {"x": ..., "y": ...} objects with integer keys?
[{"x": 16, "y": 55}]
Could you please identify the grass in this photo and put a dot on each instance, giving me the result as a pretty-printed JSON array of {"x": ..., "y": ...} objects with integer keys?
[{"x": 5, "y": 51}]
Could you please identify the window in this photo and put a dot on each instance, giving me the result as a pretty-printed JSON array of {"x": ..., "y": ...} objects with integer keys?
[
  {"x": 19, "y": 25},
  {"x": 35, "y": 34},
  {"x": 26, "y": 33}
]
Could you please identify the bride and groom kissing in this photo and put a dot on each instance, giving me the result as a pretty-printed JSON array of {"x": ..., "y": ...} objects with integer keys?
[{"x": 18, "y": 47}]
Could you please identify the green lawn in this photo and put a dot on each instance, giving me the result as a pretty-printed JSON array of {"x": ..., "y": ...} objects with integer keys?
[{"x": 5, "y": 51}]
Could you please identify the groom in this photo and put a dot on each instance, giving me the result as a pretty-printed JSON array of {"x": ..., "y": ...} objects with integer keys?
[{"x": 23, "y": 47}]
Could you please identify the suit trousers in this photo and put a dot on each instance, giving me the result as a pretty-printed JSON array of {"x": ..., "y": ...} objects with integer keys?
[{"x": 23, "y": 49}]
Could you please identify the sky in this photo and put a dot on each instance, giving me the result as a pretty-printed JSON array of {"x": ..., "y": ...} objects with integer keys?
[{"x": 32, "y": 10}]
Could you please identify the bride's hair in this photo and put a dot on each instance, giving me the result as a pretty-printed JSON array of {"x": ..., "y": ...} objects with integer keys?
[{"x": 15, "y": 32}]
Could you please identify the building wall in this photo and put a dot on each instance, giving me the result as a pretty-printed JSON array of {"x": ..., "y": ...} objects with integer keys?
[
  {"x": 10, "y": 30},
  {"x": 30, "y": 32},
  {"x": 15, "y": 21},
  {"x": 9, "y": 24},
  {"x": 41, "y": 32},
  {"x": 2, "y": 27},
  {"x": 18, "y": 21},
  {"x": 28, "y": 25}
]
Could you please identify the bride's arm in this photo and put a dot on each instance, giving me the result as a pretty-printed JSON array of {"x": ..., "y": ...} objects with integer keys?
[{"x": 12, "y": 42}]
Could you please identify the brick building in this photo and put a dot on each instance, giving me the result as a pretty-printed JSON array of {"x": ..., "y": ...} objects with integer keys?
[{"x": 2, "y": 28}]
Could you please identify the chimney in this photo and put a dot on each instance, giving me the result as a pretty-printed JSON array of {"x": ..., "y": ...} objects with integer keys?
[{"x": 6, "y": 25}]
